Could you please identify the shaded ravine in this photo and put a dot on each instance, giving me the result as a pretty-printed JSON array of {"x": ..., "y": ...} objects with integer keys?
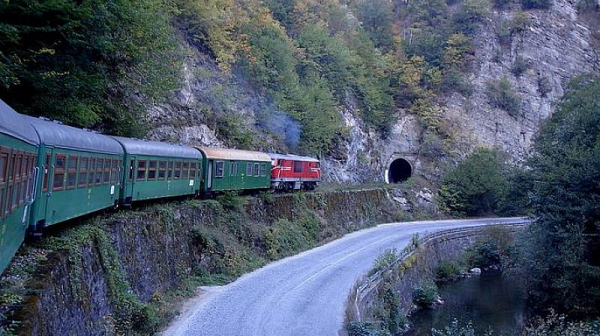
[{"x": 304, "y": 294}]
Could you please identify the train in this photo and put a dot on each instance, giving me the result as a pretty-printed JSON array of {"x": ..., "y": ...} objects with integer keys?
[{"x": 51, "y": 173}]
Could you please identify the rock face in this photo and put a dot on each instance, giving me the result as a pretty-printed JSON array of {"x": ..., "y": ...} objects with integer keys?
[{"x": 554, "y": 46}]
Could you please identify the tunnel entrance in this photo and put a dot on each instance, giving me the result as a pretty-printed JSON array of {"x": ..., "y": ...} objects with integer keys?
[{"x": 399, "y": 171}]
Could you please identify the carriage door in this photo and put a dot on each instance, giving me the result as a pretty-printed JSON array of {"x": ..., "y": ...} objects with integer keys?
[
  {"x": 210, "y": 174},
  {"x": 130, "y": 178},
  {"x": 47, "y": 181}
]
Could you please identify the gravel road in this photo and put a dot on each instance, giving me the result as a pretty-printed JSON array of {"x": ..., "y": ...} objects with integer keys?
[{"x": 305, "y": 294}]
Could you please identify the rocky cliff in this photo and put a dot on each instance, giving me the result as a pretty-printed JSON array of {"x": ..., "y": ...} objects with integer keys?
[{"x": 536, "y": 51}]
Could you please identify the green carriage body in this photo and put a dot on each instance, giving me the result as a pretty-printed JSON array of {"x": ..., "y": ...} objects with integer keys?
[
  {"x": 80, "y": 173},
  {"x": 157, "y": 170},
  {"x": 231, "y": 169},
  {"x": 18, "y": 157}
]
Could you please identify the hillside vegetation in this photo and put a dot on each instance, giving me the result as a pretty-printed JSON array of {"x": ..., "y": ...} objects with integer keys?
[{"x": 100, "y": 64}]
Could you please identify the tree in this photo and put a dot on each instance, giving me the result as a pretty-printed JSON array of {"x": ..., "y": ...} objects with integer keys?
[
  {"x": 561, "y": 248},
  {"x": 82, "y": 61},
  {"x": 477, "y": 184}
]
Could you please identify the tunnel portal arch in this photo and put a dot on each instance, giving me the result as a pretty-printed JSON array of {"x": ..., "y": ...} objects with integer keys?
[{"x": 399, "y": 171}]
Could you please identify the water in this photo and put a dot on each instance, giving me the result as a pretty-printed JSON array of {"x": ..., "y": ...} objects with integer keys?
[{"x": 490, "y": 301}]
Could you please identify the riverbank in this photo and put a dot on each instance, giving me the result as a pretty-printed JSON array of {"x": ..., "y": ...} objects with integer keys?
[{"x": 401, "y": 283}]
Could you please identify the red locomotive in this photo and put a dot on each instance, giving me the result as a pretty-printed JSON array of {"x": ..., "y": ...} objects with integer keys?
[{"x": 293, "y": 172}]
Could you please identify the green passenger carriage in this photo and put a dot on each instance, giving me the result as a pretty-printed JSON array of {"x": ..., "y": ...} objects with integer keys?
[
  {"x": 157, "y": 169},
  {"x": 18, "y": 156},
  {"x": 231, "y": 169},
  {"x": 79, "y": 173}
]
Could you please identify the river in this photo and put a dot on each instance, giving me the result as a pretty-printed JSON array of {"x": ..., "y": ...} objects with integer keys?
[{"x": 490, "y": 301}]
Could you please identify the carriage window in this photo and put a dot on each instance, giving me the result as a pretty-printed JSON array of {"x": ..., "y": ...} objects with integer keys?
[
  {"x": 162, "y": 170},
  {"x": 24, "y": 164},
  {"x": 263, "y": 169},
  {"x": 232, "y": 168},
  {"x": 99, "y": 171},
  {"x": 141, "y": 170},
  {"x": 17, "y": 167},
  {"x": 46, "y": 170},
  {"x": 297, "y": 166},
  {"x": 71, "y": 172},
  {"x": 186, "y": 170},
  {"x": 219, "y": 168},
  {"x": 177, "y": 173},
  {"x": 91, "y": 172},
  {"x": 3, "y": 163},
  {"x": 114, "y": 172},
  {"x": 152, "y": 170},
  {"x": 83, "y": 170},
  {"x": 2, "y": 203},
  {"x": 256, "y": 170},
  {"x": 107, "y": 168},
  {"x": 170, "y": 170},
  {"x": 10, "y": 201},
  {"x": 23, "y": 192},
  {"x": 248, "y": 169},
  {"x": 59, "y": 172},
  {"x": 192, "y": 170}
]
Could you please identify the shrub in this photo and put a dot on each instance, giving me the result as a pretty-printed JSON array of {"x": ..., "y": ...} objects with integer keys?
[
  {"x": 558, "y": 325},
  {"x": 425, "y": 295},
  {"x": 384, "y": 261},
  {"x": 476, "y": 185},
  {"x": 447, "y": 270},
  {"x": 519, "y": 66},
  {"x": 501, "y": 95},
  {"x": 365, "y": 329},
  {"x": 544, "y": 86},
  {"x": 519, "y": 22},
  {"x": 454, "y": 329}
]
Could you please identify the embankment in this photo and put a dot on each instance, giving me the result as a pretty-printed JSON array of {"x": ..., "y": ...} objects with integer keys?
[
  {"x": 123, "y": 273},
  {"x": 382, "y": 299}
]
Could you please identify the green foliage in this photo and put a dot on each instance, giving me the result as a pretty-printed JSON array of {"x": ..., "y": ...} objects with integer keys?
[
  {"x": 501, "y": 95},
  {"x": 455, "y": 329},
  {"x": 425, "y": 295},
  {"x": 471, "y": 13},
  {"x": 559, "y": 248},
  {"x": 558, "y": 325},
  {"x": 284, "y": 237},
  {"x": 365, "y": 329},
  {"x": 544, "y": 86},
  {"x": 476, "y": 185},
  {"x": 447, "y": 270},
  {"x": 384, "y": 261},
  {"x": 62, "y": 59},
  {"x": 394, "y": 319},
  {"x": 376, "y": 16},
  {"x": 231, "y": 201},
  {"x": 519, "y": 66}
]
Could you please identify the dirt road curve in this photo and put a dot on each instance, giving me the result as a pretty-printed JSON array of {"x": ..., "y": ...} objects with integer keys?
[{"x": 303, "y": 295}]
